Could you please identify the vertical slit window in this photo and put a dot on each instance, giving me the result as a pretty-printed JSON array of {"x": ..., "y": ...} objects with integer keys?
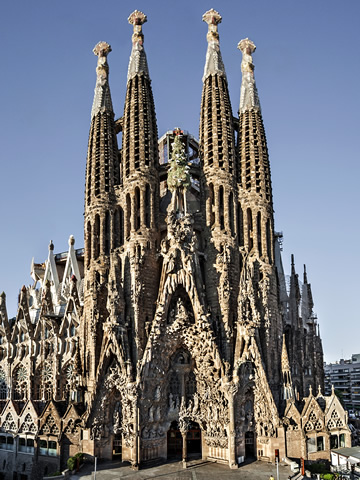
[
  {"x": 268, "y": 240},
  {"x": 128, "y": 216},
  {"x": 250, "y": 229},
  {"x": 137, "y": 209},
  {"x": 221, "y": 207},
  {"x": 97, "y": 237},
  {"x": 147, "y": 205},
  {"x": 258, "y": 228}
]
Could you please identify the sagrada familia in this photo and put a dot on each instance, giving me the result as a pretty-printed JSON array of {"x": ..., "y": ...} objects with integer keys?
[{"x": 173, "y": 332}]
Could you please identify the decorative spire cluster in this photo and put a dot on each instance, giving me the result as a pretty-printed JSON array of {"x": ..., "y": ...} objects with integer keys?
[
  {"x": 213, "y": 63},
  {"x": 138, "y": 63},
  {"x": 102, "y": 97},
  {"x": 249, "y": 98}
]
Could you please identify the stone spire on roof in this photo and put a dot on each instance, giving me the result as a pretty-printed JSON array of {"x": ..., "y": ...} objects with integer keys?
[
  {"x": 249, "y": 98},
  {"x": 213, "y": 62},
  {"x": 102, "y": 98},
  {"x": 138, "y": 63}
]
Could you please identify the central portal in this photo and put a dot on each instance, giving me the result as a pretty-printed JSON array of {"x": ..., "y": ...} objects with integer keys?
[{"x": 175, "y": 441}]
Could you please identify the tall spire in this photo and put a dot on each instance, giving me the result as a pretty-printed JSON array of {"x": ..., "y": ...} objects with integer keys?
[
  {"x": 139, "y": 148},
  {"x": 217, "y": 142},
  {"x": 213, "y": 62},
  {"x": 138, "y": 63},
  {"x": 249, "y": 98}
]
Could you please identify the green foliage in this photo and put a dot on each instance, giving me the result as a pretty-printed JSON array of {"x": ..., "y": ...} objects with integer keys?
[
  {"x": 76, "y": 460},
  {"x": 328, "y": 476},
  {"x": 178, "y": 175},
  {"x": 55, "y": 474},
  {"x": 71, "y": 463}
]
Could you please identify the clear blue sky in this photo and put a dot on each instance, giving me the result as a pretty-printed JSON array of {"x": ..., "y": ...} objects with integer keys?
[{"x": 307, "y": 73}]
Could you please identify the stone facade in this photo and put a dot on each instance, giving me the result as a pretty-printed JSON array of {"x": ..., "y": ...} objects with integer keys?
[{"x": 173, "y": 332}]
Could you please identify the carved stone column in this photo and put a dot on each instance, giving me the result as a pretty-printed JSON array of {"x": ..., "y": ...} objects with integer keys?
[{"x": 232, "y": 389}]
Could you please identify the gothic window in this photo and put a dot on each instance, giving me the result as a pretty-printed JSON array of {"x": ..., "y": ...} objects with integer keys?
[
  {"x": 20, "y": 383},
  {"x": 312, "y": 417},
  {"x": 318, "y": 425},
  {"x": 268, "y": 240},
  {"x": 175, "y": 387},
  {"x": 88, "y": 243},
  {"x": 309, "y": 426},
  {"x": 9, "y": 425},
  {"x": 3, "y": 385},
  {"x": 331, "y": 424},
  {"x": 190, "y": 385},
  {"x": 28, "y": 425},
  {"x": 50, "y": 427}
]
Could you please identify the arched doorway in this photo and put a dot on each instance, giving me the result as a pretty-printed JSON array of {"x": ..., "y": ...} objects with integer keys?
[
  {"x": 174, "y": 441},
  {"x": 193, "y": 441},
  {"x": 249, "y": 445}
]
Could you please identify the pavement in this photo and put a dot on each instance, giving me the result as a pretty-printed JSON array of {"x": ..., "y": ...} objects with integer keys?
[{"x": 196, "y": 470}]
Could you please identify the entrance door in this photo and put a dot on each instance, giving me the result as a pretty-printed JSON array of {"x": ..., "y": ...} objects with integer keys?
[
  {"x": 117, "y": 447},
  {"x": 193, "y": 440},
  {"x": 174, "y": 441},
  {"x": 249, "y": 445}
]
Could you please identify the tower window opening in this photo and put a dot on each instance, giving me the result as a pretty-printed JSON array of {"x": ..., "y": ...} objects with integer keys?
[
  {"x": 231, "y": 212},
  {"x": 240, "y": 225},
  {"x": 147, "y": 205},
  {"x": 250, "y": 229},
  {"x": 97, "y": 237},
  {"x": 258, "y": 227},
  {"x": 268, "y": 240},
  {"x": 128, "y": 216},
  {"x": 107, "y": 233},
  {"x": 221, "y": 207},
  {"x": 88, "y": 244},
  {"x": 137, "y": 209}
]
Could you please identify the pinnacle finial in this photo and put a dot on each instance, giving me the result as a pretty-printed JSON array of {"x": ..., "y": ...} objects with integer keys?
[
  {"x": 51, "y": 245},
  {"x": 102, "y": 99},
  {"x": 305, "y": 275},
  {"x": 137, "y": 19},
  {"x": 138, "y": 62},
  {"x": 247, "y": 48},
  {"x": 249, "y": 98},
  {"x": 213, "y": 62},
  {"x": 212, "y": 18},
  {"x": 101, "y": 50}
]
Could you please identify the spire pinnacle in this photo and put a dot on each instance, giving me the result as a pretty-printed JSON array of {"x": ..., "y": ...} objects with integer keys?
[
  {"x": 249, "y": 98},
  {"x": 213, "y": 63},
  {"x": 102, "y": 98},
  {"x": 138, "y": 62},
  {"x": 305, "y": 275}
]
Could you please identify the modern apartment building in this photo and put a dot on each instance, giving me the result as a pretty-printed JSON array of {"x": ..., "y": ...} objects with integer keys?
[{"x": 345, "y": 377}]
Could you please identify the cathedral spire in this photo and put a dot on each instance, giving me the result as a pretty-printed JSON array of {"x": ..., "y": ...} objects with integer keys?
[
  {"x": 138, "y": 63},
  {"x": 213, "y": 62},
  {"x": 139, "y": 148},
  {"x": 249, "y": 98},
  {"x": 253, "y": 166},
  {"x": 217, "y": 142}
]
